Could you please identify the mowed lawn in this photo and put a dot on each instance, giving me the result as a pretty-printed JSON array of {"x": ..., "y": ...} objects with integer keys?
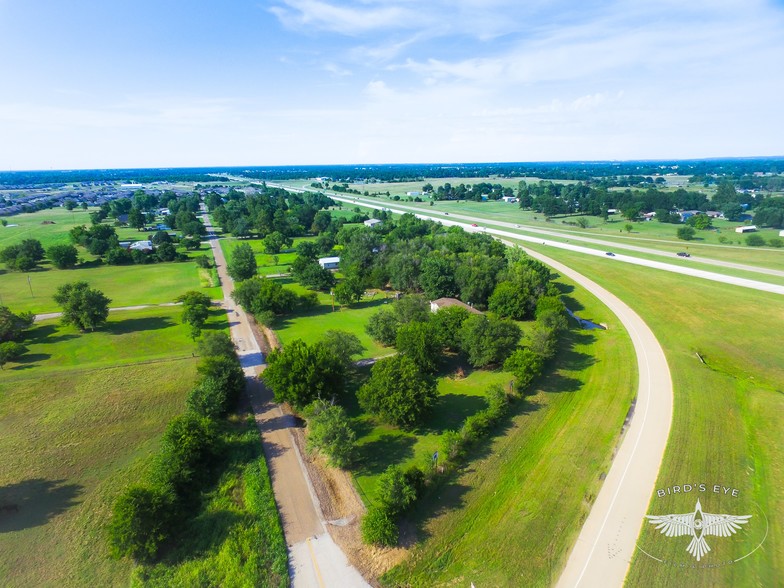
[
  {"x": 77, "y": 427},
  {"x": 511, "y": 515},
  {"x": 728, "y": 419},
  {"x": 125, "y": 285},
  {"x": 50, "y": 227}
]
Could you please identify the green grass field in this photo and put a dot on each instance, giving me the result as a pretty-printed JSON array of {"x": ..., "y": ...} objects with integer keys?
[
  {"x": 50, "y": 227},
  {"x": 72, "y": 440},
  {"x": 510, "y": 516},
  {"x": 727, "y": 423},
  {"x": 81, "y": 416}
]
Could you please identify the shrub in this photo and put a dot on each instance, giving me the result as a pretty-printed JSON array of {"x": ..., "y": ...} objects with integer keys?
[
  {"x": 63, "y": 256},
  {"x": 379, "y": 528},
  {"x": 451, "y": 445},
  {"x": 329, "y": 431},
  {"x": 525, "y": 365},
  {"x": 141, "y": 518},
  {"x": 755, "y": 240},
  {"x": 776, "y": 242},
  {"x": 227, "y": 372},
  {"x": 208, "y": 399},
  {"x": 415, "y": 478},
  {"x": 394, "y": 492}
]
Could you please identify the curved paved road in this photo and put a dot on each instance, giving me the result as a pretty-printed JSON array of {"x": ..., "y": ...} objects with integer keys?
[{"x": 315, "y": 560}]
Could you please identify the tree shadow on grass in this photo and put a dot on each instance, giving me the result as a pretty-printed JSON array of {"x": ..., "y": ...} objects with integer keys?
[
  {"x": 133, "y": 325},
  {"x": 30, "y": 360},
  {"x": 33, "y": 502},
  {"x": 203, "y": 534},
  {"x": 451, "y": 410},
  {"x": 375, "y": 456}
]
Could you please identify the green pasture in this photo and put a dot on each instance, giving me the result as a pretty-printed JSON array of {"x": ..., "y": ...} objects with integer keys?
[
  {"x": 132, "y": 336},
  {"x": 311, "y": 325},
  {"x": 72, "y": 440},
  {"x": 511, "y": 515},
  {"x": 727, "y": 424},
  {"x": 35, "y": 225},
  {"x": 265, "y": 261},
  {"x": 125, "y": 285}
]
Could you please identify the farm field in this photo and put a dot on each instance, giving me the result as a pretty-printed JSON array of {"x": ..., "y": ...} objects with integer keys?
[
  {"x": 72, "y": 440},
  {"x": 509, "y": 517},
  {"x": 727, "y": 419},
  {"x": 50, "y": 227}
]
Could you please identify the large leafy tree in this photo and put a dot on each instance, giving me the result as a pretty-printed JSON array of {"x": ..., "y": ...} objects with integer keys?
[
  {"x": 195, "y": 311},
  {"x": 487, "y": 340},
  {"x": 437, "y": 277},
  {"x": 301, "y": 373},
  {"x": 398, "y": 392},
  {"x": 84, "y": 307},
  {"x": 13, "y": 325},
  {"x": 242, "y": 265},
  {"x": 63, "y": 256},
  {"x": 417, "y": 340}
]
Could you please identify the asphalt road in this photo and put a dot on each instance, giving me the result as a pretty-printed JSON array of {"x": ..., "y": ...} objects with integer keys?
[{"x": 315, "y": 560}]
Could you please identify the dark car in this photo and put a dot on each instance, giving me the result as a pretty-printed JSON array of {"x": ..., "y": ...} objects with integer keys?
[
  {"x": 446, "y": 213},
  {"x": 683, "y": 254},
  {"x": 610, "y": 253}
]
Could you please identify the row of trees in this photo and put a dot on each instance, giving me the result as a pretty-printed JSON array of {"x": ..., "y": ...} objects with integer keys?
[
  {"x": 12, "y": 330},
  {"x": 147, "y": 514}
]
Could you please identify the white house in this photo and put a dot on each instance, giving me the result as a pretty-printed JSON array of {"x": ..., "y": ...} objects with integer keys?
[
  {"x": 372, "y": 222},
  {"x": 510, "y": 199},
  {"x": 414, "y": 193},
  {"x": 746, "y": 229},
  {"x": 329, "y": 263}
]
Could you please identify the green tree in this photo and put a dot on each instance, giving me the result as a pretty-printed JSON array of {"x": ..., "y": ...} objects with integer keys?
[
  {"x": 686, "y": 233},
  {"x": 509, "y": 301},
  {"x": 382, "y": 326},
  {"x": 166, "y": 252},
  {"x": 417, "y": 340},
  {"x": 700, "y": 222},
  {"x": 216, "y": 344},
  {"x": 262, "y": 295},
  {"x": 136, "y": 219},
  {"x": 343, "y": 344},
  {"x": 413, "y": 307},
  {"x": 9, "y": 351},
  {"x": 315, "y": 277},
  {"x": 141, "y": 520},
  {"x": 301, "y": 373},
  {"x": 330, "y": 432},
  {"x": 487, "y": 340},
  {"x": 227, "y": 372},
  {"x": 242, "y": 265},
  {"x": 275, "y": 242},
  {"x": 83, "y": 307},
  {"x": 446, "y": 324},
  {"x": 394, "y": 491},
  {"x": 349, "y": 290},
  {"x": 437, "y": 277},
  {"x": 525, "y": 365},
  {"x": 12, "y": 326},
  {"x": 195, "y": 311},
  {"x": 628, "y": 227},
  {"x": 398, "y": 392},
  {"x": 208, "y": 399},
  {"x": 63, "y": 256},
  {"x": 69, "y": 205}
]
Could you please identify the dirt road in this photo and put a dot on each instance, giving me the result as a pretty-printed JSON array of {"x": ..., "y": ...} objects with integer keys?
[{"x": 314, "y": 558}]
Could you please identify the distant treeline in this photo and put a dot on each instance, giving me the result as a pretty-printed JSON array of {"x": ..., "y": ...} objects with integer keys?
[{"x": 626, "y": 173}]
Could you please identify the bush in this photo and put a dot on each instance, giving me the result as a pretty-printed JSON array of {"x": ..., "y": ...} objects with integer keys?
[
  {"x": 208, "y": 399},
  {"x": 451, "y": 445},
  {"x": 525, "y": 365},
  {"x": 382, "y": 327},
  {"x": 755, "y": 240},
  {"x": 395, "y": 493},
  {"x": 63, "y": 256},
  {"x": 776, "y": 242},
  {"x": 379, "y": 528},
  {"x": 329, "y": 431},
  {"x": 227, "y": 372},
  {"x": 203, "y": 261},
  {"x": 141, "y": 519},
  {"x": 415, "y": 478}
]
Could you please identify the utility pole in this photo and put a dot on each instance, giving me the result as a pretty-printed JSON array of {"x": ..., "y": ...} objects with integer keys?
[{"x": 29, "y": 283}]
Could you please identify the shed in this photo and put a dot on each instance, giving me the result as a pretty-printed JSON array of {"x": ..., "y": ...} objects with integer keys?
[
  {"x": 436, "y": 305},
  {"x": 746, "y": 229},
  {"x": 372, "y": 222},
  {"x": 329, "y": 263}
]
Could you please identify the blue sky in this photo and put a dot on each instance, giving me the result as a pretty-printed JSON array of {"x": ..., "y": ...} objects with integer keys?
[{"x": 189, "y": 83}]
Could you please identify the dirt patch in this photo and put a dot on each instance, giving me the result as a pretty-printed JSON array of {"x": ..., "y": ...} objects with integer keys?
[{"x": 343, "y": 510}]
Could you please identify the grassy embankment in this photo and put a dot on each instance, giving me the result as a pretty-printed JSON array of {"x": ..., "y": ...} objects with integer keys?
[
  {"x": 556, "y": 443},
  {"x": 511, "y": 515},
  {"x": 82, "y": 416},
  {"x": 727, "y": 422}
]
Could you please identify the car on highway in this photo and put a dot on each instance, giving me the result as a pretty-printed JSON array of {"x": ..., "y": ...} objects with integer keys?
[
  {"x": 610, "y": 253},
  {"x": 474, "y": 225},
  {"x": 446, "y": 213},
  {"x": 683, "y": 254}
]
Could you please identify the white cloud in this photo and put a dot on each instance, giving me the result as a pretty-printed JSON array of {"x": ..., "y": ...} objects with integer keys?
[{"x": 347, "y": 20}]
